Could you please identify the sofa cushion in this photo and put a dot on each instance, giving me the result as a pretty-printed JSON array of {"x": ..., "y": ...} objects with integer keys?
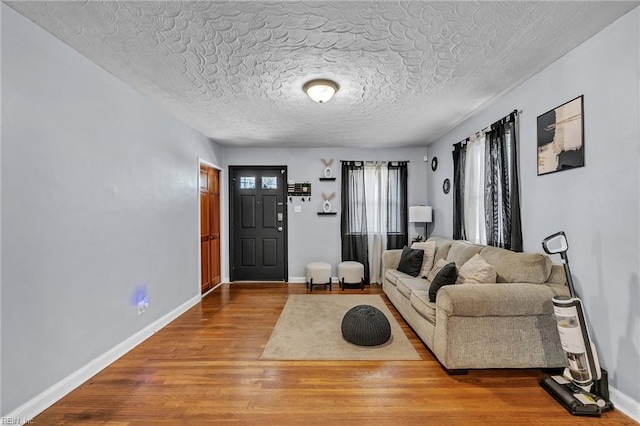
[
  {"x": 434, "y": 271},
  {"x": 461, "y": 251},
  {"x": 420, "y": 302},
  {"x": 407, "y": 285},
  {"x": 499, "y": 300},
  {"x": 392, "y": 275},
  {"x": 411, "y": 261},
  {"x": 475, "y": 271},
  {"x": 429, "y": 248},
  {"x": 447, "y": 275},
  {"x": 442, "y": 247},
  {"x": 514, "y": 267},
  {"x": 557, "y": 275}
]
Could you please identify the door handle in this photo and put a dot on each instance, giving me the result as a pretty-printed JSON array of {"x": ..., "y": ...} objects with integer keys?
[{"x": 279, "y": 228}]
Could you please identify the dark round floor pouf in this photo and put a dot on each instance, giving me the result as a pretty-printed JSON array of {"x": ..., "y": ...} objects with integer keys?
[{"x": 365, "y": 325}]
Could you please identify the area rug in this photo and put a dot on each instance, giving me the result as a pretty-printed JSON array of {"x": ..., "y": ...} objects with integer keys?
[{"x": 309, "y": 328}]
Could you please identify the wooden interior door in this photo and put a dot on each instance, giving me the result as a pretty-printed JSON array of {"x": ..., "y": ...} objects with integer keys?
[{"x": 209, "y": 227}]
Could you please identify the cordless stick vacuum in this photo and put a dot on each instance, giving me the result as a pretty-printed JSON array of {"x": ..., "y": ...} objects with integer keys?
[{"x": 583, "y": 386}]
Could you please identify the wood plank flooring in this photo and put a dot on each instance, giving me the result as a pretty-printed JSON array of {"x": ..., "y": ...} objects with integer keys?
[{"x": 204, "y": 368}]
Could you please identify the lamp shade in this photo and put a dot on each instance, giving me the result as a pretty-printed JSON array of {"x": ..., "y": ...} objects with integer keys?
[{"x": 420, "y": 214}]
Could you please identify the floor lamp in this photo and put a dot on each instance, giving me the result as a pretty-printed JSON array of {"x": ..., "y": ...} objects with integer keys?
[{"x": 420, "y": 214}]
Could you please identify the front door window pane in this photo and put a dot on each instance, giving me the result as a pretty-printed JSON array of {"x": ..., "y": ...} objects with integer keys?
[
  {"x": 247, "y": 182},
  {"x": 269, "y": 182}
]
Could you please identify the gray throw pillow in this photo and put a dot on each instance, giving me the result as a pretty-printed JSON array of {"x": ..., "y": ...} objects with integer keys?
[
  {"x": 410, "y": 261},
  {"x": 446, "y": 276}
]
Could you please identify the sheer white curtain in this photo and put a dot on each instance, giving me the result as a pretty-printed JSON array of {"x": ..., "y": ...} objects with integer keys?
[
  {"x": 474, "y": 185},
  {"x": 376, "y": 194}
]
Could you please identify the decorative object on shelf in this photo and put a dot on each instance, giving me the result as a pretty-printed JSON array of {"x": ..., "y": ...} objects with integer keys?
[
  {"x": 299, "y": 190},
  {"x": 320, "y": 90},
  {"x": 326, "y": 206},
  {"x": 434, "y": 163},
  {"x": 420, "y": 214},
  {"x": 328, "y": 173},
  {"x": 561, "y": 138},
  {"x": 446, "y": 186}
]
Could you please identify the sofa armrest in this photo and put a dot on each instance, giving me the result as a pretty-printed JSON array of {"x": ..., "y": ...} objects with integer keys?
[
  {"x": 499, "y": 300},
  {"x": 391, "y": 258}
]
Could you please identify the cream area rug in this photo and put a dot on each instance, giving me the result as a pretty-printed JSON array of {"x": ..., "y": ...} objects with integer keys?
[{"x": 309, "y": 328}]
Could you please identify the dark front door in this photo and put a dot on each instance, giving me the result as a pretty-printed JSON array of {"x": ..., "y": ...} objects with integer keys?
[{"x": 258, "y": 223}]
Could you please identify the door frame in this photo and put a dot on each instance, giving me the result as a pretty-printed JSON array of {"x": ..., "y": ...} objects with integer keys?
[
  {"x": 222, "y": 230},
  {"x": 286, "y": 216}
]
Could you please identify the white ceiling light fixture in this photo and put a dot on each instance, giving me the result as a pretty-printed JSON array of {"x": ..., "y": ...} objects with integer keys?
[{"x": 320, "y": 90}]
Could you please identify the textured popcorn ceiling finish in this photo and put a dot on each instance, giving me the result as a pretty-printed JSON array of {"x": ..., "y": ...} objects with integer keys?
[{"x": 408, "y": 71}]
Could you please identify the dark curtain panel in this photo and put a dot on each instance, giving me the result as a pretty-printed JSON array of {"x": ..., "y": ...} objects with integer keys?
[
  {"x": 354, "y": 215},
  {"x": 502, "y": 194},
  {"x": 459, "y": 155},
  {"x": 397, "y": 229}
]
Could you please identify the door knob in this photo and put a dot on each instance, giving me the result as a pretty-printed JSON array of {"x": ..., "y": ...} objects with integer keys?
[{"x": 279, "y": 228}]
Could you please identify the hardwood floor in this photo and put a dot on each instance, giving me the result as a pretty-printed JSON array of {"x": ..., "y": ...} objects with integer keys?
[{"x": 204, "y": 367}]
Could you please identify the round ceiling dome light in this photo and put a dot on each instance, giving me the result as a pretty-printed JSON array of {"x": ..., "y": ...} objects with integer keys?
[{"x": 320, "y": 90}]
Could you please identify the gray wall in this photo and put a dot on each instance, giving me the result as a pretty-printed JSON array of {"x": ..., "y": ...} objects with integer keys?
[
  {"x": 597, "y": 205},
  {"x": 313, "y": 237},
  {"x": 99, "y": 195}
]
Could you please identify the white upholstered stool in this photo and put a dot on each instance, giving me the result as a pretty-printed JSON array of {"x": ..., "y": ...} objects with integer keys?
[
  {"x": 318, "y": 273},
  {"x": 351, "y": 273}
]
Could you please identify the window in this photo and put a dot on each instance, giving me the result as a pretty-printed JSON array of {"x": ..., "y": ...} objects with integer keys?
[
  {"x": 486, "y": 193},
  {"x": 374, "y": 212},
  {"x": 269, "y": 182},
  {"x": 247, "y": 182}
]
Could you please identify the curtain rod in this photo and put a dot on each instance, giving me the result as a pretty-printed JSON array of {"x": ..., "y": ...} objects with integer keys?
[{"x": 513, "y": 113}]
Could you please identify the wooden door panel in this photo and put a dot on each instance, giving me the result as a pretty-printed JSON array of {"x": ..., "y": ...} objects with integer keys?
[
  {"x": 248, "y": 211},
  {"x": 214, "y": 206},
  {"x": 269, "y": 214},
  {"x": 204, "y": 180},
  {"x": 248, "y": 253},
  {"x": 214, "y": 182},
  {"x": 269, "y": 252},
  {"x": 205, "y": 265},
  {"x": 215, "y": 262},
  {"x": 204, "y": 215}
]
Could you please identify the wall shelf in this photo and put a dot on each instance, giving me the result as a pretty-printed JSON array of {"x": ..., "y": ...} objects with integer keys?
[
  {"x": 327, "y": 213},
  {"x": 327, "y": 179}
]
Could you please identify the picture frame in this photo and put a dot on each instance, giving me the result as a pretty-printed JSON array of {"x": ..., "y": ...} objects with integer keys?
[{"x": 560, "y": 137}]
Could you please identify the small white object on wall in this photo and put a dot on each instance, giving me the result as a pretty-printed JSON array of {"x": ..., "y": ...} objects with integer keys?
[
  {"x": 328, "y": 173},
  {"x": 326, "y": 205}
]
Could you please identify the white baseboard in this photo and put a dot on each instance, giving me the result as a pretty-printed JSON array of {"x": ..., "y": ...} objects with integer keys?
[
  {"x": 48, "y": 397},
  {"x": 625, "y": 404}
]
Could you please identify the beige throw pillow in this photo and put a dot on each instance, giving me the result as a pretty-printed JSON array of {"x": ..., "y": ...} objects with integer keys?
[
  {"x": 429, "y": 248},
  {"x": 476, "y": 271},
  {"x": 436, "y": 268}
]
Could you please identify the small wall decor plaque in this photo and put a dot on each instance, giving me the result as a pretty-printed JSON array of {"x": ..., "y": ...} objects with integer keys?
[
  {"x": 561, "y": 138},
  {"x": 446, "y": 186},
  {"x": 326, "y": 206},
  {"x": 328, "y": 173}
]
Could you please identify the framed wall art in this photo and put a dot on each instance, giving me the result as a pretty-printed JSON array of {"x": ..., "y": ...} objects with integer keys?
[{"x": 561, "y": 137}]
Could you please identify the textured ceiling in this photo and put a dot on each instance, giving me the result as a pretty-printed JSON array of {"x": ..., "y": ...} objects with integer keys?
[{"x": 408, "y": 71}]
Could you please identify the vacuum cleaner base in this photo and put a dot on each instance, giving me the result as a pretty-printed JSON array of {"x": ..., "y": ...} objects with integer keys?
[{"x": 585, "y": 404}]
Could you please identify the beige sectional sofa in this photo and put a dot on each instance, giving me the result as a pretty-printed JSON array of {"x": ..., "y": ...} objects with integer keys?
[{"x": 507, "y": 324}]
